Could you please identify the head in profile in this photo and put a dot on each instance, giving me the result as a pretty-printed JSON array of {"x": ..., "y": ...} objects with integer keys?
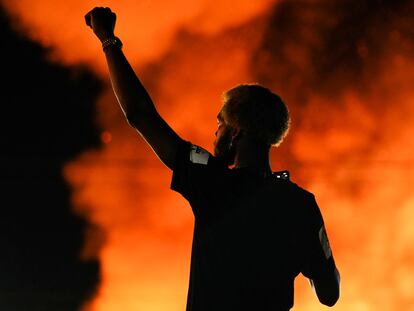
[{"x": 252, "y": 119}]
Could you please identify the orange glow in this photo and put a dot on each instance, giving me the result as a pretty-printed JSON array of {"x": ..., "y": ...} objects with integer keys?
[
  {"x": 356, "y": 152},
  {"x": 106, "y": 137},
  {"x": 147, "y": 28}
]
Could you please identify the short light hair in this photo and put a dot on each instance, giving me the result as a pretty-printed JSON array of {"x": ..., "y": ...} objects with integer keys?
[{"x": 258, "y": 111}]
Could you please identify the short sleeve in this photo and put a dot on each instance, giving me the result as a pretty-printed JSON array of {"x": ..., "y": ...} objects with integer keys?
[
  {"x": 194, "y": 173},
  {"x": 316, "y": 255}
]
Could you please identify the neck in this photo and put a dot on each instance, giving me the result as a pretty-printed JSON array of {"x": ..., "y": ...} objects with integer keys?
[{"x": 253, "y": 156}]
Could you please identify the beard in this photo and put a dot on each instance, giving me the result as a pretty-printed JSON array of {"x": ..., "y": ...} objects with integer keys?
[{"x": 225, "y": 150}]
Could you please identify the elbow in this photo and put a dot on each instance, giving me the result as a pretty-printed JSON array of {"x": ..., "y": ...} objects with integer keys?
[
  {"x": 137, "y": 118},
  {"x": 328, "y": 291},
  {"x": 329, "y": 297},
  {"x": 132, "y": 120},
  {"x": 329, "y": 301}
]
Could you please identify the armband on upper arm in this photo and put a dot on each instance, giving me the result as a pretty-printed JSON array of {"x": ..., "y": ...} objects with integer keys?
[
  {"x": 323, "y": 239},
  {"x": 199, "y": 155}
]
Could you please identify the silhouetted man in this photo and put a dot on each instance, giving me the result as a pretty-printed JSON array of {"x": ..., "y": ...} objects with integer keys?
[{"x": 255, "y": 230}]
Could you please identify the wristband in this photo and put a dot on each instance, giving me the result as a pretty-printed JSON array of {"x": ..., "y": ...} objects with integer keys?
[{"x": 112, "y": 41}]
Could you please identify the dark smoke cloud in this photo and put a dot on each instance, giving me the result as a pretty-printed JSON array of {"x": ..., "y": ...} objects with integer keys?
[
  {"x": 329, "y": 46},
  {"x": 46, "y": 118}
]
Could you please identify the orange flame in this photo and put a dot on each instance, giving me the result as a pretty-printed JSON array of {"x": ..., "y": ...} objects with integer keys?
[{"x": 187, "y": 57}]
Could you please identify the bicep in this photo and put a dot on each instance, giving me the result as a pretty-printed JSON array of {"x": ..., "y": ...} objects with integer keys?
[
  {"x": 317, "y": 260},
  {"x": 163, "y": 140},
  {"x": 316, "y": 254}
]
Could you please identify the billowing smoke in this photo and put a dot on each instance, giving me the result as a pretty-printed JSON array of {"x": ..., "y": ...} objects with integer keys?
[{"x": 345, "y": 68}]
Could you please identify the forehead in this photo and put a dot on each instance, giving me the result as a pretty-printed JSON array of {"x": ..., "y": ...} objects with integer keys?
[{"x": 219, "y": 116}]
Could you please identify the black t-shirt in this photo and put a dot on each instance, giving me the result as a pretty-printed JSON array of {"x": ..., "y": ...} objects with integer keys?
[{"x": 252, "y": 235}]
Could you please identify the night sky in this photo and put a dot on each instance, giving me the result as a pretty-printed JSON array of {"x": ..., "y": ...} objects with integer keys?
[{"x": 46, "y": 119}]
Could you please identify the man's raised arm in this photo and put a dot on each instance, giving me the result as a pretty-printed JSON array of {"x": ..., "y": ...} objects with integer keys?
[{"x": 134, "y": 100}]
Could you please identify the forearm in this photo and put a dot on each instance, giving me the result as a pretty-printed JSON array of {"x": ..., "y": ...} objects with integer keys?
[{"x": 133, "y": 98}]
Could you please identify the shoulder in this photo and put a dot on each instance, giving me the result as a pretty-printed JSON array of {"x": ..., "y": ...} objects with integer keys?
[
  {"x": 301, "y": 194},
  {"x": 193, "y": 155},
  {"x": 305, "y": 202}
]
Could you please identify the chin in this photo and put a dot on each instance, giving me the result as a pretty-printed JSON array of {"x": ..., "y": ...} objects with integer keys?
[
  {"x": 226, "y": 159},
  {"x": 226, "y": 156}
]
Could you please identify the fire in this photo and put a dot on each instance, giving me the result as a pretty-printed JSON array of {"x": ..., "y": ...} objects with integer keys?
[{"x": 353, "y": 148}]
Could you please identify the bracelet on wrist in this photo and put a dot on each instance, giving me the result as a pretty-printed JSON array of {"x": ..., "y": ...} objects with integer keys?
[{"x": 112, "y": 41}]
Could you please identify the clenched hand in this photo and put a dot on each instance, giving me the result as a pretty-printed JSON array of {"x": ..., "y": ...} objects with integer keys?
[{"x": 102, "y": 21}]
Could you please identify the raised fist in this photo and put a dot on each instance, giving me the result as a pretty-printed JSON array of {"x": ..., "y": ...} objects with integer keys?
[{"x": 102, "y": 21}]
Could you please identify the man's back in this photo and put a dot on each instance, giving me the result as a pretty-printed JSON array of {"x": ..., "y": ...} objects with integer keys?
[{"x": 252, "y": 236}]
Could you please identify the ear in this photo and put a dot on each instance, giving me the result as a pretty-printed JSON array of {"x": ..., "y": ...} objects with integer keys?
[{"x": 236, "y": 134}]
